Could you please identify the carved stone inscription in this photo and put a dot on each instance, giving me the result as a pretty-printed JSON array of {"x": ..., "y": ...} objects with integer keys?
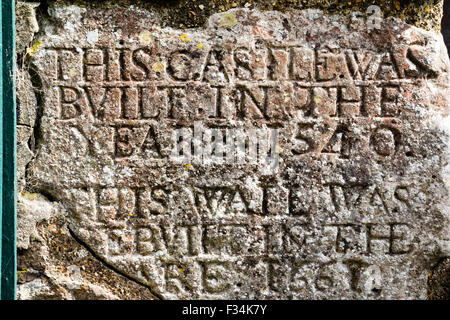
[{"x": 355, "y": 204}]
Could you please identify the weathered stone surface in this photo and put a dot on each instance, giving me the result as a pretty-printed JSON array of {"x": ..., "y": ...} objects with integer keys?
[
  {"x": 24, "y": 154},
  {"x": 358, "y": 205},
  {"x": 439, "y": 281},
  {"x": 26, "y": 25},
  {"x": 53, "y": 265},
  {"x": 191, "y": 14}
]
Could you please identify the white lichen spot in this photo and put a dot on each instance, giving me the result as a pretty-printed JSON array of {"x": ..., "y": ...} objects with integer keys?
[
  {"x": 108, "y": 175},
  {"x": 145, "y": 37},
  {"x": 71, "y": 15},
  {"x": 92, "y": 37}
]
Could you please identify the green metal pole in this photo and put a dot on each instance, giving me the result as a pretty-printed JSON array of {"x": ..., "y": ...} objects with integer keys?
[
  {"x": 1, "y": 149},
  {"x": 8, "y": 273}
]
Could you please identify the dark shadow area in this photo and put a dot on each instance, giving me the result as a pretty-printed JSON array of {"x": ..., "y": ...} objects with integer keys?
[
  {"x": 439, "y": 281},
  {"x": 445, "y": 26}
]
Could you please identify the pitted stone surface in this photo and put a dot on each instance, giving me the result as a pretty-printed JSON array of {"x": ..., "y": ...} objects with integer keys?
[{"x": 358, "y": 207}]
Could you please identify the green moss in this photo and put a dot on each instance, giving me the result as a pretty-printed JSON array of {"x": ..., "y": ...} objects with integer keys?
[{"x": 194, "y": 13}]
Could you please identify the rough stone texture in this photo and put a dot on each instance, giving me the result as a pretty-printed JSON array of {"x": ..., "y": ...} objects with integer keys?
[
  {"x": 53, "y": 265},
  {"x": 439, "y": 281},
  {"x": 26, "y": 25},
  {"x": 194, "y": 13},
  {"x": 359, "y": 205},
  {"x": 175, "y": 14}
]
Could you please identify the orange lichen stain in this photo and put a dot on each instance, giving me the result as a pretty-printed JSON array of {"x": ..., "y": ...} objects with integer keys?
[{"x": 52, "y": 228}]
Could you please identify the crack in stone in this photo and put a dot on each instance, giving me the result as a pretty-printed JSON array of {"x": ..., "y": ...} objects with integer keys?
[
  {"x": 109, "y": 266},
  {"x": 37, "y": 135}
]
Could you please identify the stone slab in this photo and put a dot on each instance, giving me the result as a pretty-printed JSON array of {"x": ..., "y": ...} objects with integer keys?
[{"x": 347, "y": 197}]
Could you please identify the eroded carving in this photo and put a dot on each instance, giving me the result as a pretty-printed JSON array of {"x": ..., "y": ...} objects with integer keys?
[{"x": 193, "y": 213}]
